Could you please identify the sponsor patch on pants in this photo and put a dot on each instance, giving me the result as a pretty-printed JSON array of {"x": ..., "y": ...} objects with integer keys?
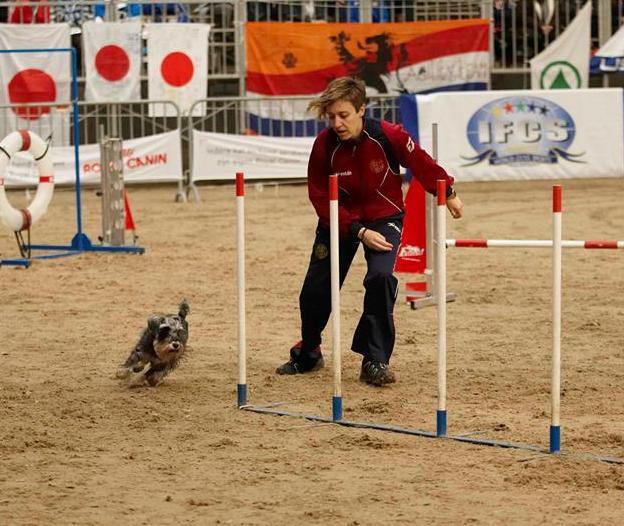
[{"x": 320, "y": 250}]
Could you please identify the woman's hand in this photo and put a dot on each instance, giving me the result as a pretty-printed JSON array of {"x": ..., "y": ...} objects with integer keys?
[
  {"x": 455, "y": 206},
  {"x": 375, "y": 241}
]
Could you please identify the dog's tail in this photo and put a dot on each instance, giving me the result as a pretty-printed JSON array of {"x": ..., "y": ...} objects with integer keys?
[{"x": 184, "y": 309}]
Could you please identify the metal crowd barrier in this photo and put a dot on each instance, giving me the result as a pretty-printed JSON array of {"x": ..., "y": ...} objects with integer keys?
[{"x": 125, "y": 120}]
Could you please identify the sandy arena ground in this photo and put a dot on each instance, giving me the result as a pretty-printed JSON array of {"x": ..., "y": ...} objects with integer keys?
[{"x": 76, "y": 447}]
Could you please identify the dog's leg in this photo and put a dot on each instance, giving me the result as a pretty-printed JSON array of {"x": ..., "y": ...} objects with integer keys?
[
  {"x": 135, "y": 363},
  {"x": 139, "y": 379},
  {"x": 154, "y": 376}
]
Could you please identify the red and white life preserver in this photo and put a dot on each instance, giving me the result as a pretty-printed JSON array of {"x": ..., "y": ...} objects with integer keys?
[{"x": 25, "y": 140}]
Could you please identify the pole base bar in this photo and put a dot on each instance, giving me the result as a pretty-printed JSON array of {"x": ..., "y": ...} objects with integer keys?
[
  {"x": 428, "y": 434},
  {"x": 242, "y": 394},
  {"x": 336, "y": 408}
]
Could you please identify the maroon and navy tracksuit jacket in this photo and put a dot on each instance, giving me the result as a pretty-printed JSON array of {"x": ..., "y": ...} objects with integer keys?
[{"x": 368, "y": 173}]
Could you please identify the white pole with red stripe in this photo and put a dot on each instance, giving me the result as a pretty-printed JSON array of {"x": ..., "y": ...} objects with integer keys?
[
  {"x": 440, "y": 282},
  {"x": 335, "y": 294},
  {"x": 533, "y": 243},
  {"x": 555, "y": 429},
  {"x": 240, "y": 250}
]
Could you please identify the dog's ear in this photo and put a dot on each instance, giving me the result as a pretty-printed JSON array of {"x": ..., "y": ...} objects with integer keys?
[
  {"x": 184, "y": 309},
  {"x": 153, "y": 322}
]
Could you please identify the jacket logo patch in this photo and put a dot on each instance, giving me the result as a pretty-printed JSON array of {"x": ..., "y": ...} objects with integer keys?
[
  {"x": 410, "y": 145},
  {"x": 377, "y": 166}
]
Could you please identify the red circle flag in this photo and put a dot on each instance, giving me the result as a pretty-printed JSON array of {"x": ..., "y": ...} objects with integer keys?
[
  {"x": 31, "y": 85},
  {"x": 177, "y": 69},
  {"x": 112, "y": 63}
]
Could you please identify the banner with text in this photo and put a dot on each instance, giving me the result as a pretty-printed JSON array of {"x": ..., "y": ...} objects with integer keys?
[
  {"x": 155, "y": 158},
  {"x": 523, "y": 134},
  {"x": 294, "y": 58},
  {"x": 218, "y": 156},
  {"x": 610, "y": 57}
]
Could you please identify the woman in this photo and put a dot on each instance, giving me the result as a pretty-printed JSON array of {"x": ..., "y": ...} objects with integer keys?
[{"x": 366, "y": 155}]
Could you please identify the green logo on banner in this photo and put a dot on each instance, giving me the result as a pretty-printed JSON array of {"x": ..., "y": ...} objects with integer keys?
[{"x": 560, "y": 75}]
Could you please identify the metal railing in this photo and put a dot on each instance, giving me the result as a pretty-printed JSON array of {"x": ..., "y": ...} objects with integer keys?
[{"x": 126, "y": 120}]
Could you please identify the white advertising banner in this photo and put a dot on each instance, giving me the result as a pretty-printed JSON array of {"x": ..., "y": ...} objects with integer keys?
[
  {"x": 155, "y": 158},
  {"x": 509, "y": 135},
  {"x": 218, "y": 156}
]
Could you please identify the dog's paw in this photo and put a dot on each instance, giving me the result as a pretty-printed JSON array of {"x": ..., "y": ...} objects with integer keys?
[{"x": 123, "y": 372}]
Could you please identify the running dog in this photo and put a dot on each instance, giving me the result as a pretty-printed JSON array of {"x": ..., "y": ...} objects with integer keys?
[{"x": 159, "y": 349}]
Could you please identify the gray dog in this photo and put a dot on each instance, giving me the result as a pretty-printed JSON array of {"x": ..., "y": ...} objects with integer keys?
[{"x": 159, "y": 350}]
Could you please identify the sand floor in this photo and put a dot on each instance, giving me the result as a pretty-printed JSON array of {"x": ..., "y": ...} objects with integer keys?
[{"x": 77, "y": 447}]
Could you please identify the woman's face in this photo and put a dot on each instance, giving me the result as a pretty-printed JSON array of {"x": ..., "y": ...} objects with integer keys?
[{"x": 345, "y": 119}]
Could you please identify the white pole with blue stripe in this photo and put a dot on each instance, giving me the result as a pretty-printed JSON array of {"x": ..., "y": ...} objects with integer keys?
[
  {"x": 440, "y": 281},
  {"x": 335, "y": 295},
  {"x": 555, "y": 388},
  {"x": 240, "y": 249}
]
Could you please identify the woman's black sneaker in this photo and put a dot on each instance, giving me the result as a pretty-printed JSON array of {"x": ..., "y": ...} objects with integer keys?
[
  {"x": 300, "y": 362},
  {"x": 377, "y": 373}
]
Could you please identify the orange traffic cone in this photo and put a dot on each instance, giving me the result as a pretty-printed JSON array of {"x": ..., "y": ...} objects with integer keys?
[{"x": 129, "y": 219}]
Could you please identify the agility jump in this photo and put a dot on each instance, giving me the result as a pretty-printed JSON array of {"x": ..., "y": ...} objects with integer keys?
[
  {"x": 22, "y": 220},
  {"x": 440, "y": 281}
]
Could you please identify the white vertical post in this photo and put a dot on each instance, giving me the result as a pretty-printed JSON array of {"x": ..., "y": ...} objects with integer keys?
[
  {"x": 440, "y": 281},
  {"x": 335, "y": 294},
  {"x": 555, "y": 388},
  {"x": 240, "y": 259}
]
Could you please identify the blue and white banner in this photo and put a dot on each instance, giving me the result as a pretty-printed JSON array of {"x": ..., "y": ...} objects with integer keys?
[
  {"x": 610, "y": 57},
  {"x": 508, "y": 135}
]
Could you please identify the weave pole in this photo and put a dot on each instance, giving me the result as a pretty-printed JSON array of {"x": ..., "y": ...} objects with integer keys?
[
  {"x": 555, "y": 390},
  {"x": 240, "y": 251},
  {"x": 440, "y": 281},
  {"x": 334, "y": 254}
]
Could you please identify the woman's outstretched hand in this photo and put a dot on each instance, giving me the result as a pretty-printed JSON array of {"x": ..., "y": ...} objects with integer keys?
[
  {"x": 375, "y": 241},
  {"x": 455, "y": 206}
]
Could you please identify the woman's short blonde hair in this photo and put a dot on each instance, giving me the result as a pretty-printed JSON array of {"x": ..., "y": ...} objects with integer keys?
[{"x": 350, "y": 89}]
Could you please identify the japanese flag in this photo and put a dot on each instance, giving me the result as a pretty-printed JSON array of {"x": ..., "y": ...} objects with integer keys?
[
  {"x": 29, "y": 77},
  {"x": 112, "y": 55},
  {"x": 177, "y": 65}
]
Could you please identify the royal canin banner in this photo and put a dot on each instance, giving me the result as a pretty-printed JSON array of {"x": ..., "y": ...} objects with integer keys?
[
  {"x": 112, "y": 57},
  {"x": 522, "y": 134},
  {"x": 31, "y": 77},
  {"x": 177, "y": 66},
  {"x": 392, "y": 58},
  {"x": 155, "y": 158}
]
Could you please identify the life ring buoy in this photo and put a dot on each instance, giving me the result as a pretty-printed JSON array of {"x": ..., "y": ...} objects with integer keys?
[{"x": 25, "y": 140}]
